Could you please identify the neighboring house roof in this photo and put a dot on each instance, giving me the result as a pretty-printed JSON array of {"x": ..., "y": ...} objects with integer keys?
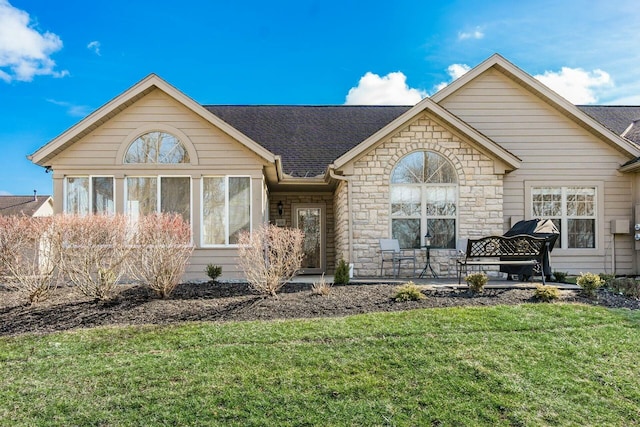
[
  {"x": 22, "y": 205},
  {"x": 308, "y": 138},
  {"x": 623, "y": 120}
]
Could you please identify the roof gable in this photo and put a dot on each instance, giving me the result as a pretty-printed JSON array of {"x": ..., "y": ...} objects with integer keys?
[
  {"x": 44, "y": 154},
  {"x": 449, "y": 120},
  {"x": 546, "y": 94}
]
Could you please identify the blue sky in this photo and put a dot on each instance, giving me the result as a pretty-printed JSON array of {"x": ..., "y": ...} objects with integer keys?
[{"x": 60, "y": 60}]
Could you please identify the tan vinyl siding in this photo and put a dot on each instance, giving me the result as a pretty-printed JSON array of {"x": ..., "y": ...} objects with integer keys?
[
  {"x": 227, "y": 258},
  {"x": 553, "y": 149}
]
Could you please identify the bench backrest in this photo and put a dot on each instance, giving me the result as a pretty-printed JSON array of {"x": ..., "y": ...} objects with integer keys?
[{"x": 520, "y": 246}]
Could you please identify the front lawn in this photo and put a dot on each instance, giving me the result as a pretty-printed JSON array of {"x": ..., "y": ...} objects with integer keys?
[{"x": 542, "y": 364}]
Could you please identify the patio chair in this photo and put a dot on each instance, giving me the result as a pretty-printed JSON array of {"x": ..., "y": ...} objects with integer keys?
[
  {"x": 461, "y": 250},
  {"x": 390, "y": 251}
]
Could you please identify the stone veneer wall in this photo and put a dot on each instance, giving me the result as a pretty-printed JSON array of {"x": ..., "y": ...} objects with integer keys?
[
  {"x": 480, "y": 194},
  {"x": 341, "y": 222},
  {"x": 326, "y": 199}
]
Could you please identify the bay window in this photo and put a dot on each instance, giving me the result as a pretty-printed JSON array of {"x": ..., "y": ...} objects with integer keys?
[
  {"x": 424, "y": 195},
  {"x": 226, "y": 209}
]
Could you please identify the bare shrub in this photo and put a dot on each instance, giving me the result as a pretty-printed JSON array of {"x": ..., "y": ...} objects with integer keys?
[
  {"x": 28, "y": 258},
  {"x": 270, "y": 256},
  {"x": 162, "y": 250},
  {"x": 94, "y": 251}
]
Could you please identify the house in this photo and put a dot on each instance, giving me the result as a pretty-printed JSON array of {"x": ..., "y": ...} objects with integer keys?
[
  {"x": 494, "y": 147},
  {"x": 34, "y": 206}
]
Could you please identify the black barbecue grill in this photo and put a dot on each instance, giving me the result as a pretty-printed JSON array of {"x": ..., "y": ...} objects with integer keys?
[{"x": 543, "y": 228}]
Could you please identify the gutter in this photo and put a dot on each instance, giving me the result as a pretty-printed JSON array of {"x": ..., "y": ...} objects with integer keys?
[
  {"x": 630, "y": 166},
  {"x": 347, "y": 180}
]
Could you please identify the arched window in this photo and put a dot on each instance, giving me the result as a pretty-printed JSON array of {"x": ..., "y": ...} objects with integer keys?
[
  {"x": 424, "y": 198},
  {"x": 157, "y": 147}
]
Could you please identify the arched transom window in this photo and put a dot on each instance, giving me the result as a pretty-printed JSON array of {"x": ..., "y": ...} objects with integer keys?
[
  {"x": 157, "y": 147},
  {"x": 424, "y": 198}
]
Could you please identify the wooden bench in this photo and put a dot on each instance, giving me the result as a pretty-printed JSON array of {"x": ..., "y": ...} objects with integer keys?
[{"x": 499, "y": 250}]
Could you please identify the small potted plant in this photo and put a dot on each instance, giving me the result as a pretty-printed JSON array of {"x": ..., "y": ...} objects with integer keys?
[{"x": 476, "y": 282}]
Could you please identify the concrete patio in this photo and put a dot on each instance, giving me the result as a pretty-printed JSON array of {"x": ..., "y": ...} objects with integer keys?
[{"x": 446, "y": 282}]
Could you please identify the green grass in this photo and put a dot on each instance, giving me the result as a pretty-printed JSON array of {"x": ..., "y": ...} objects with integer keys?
[{"x": 544, "y": 364}]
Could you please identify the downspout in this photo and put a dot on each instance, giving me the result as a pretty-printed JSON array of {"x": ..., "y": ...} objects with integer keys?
[{"x": 349, "y": 215}]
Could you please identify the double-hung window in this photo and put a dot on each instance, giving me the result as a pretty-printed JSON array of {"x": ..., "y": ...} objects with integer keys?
[
  {"x": 89, "y": 194},
  {"x": 573, "y": 209},
  {"x": 424, "y": 198},
  {"x": 226, "y": 209}
]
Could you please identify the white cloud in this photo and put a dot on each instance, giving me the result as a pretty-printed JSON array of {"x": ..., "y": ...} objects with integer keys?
[
  {"x": 577, "y": 85},
  {"x": 72, "y": 109},
  {"x": 625, "y": 100},
  {"x": 24, "y": 51},
  {"x": 94, "y": 46},
  {"x": 476, "y": 34},
  {"x": 391, "y": 89},
  {"x": 455, "y": 71},
  {"x": 4, "y": 193}
]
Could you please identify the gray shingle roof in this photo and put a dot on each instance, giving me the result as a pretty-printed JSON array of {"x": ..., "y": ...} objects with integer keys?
[
  {"x": 308, "y": 138},
  {"x": 21, "y": 205},
  {"x": 616, "y": 118}
]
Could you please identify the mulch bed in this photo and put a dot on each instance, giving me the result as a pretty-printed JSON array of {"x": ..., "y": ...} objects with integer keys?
[{"x": 230, "y": 301}]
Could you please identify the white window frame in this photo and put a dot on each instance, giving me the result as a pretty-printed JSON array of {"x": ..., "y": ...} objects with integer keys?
[
  {"x": 226, "y": 210},
  {"x": 424, "y": 188},
  {"x": 561, "y": 248},
  {"x": 152, "y": 168},
  {"x": 179, "y": 143},
  {"x": 90, "y": 195},
  {"x": 424, "y": 217},
  {"x": 159, "y": 192}
]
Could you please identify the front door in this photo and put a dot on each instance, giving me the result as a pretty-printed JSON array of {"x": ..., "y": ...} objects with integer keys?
[{"x": 310, "y": 218}]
